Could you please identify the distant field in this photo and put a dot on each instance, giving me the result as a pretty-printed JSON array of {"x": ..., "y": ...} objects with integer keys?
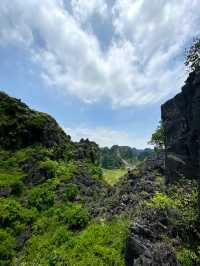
[{"x": 112, "y": 176}]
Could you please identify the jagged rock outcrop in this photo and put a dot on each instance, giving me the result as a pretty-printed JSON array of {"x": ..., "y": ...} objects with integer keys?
[
  {"x": 181, "y": 121},
  {"x": 145, "y": 245},
  {"x": 21, "y": 127}
]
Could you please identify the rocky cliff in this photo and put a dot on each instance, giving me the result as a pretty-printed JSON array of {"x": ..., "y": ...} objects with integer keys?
[{"x": 181, "y": 121}]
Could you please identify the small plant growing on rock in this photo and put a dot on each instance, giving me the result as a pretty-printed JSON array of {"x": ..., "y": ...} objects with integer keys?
[
  {"x": 193, "y": 55},
  {"x": 157, "y": 138}
]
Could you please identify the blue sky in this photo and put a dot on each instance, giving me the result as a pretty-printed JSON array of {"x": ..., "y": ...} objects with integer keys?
[{"x": 102, "y": 68}]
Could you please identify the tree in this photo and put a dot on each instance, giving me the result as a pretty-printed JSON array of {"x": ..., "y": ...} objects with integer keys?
[
  {"x": 157, "y": 138},
  {"x": 193, "y": 55}
]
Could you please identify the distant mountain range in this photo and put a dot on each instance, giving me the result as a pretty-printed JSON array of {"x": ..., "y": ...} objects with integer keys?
[{"x": 122, "y": 156}]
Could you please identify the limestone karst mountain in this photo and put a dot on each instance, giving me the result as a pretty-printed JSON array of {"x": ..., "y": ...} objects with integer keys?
[{"x": 56, "y": 209}]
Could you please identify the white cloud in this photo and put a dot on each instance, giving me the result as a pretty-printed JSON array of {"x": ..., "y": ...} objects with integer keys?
[
  {"x": 82, "y": 10},
  {"x": 106, "y": 137},
  {"x": 142, "y": 65}
]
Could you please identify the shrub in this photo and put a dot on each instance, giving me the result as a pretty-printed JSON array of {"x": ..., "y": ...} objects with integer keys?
[
  {"x": 49, "y": 167},
  {"x": 95, "y": 170},
  {"x": 187, "y": 257},
  {"x": 157, "y": 138},
  {"x": 66, "y": 171},
  {"x": 75, "y": 216},
  {"x": 12, "y": 180},
  {"x": 41, "y": 198},
  {"x": 99, "y": 244},
  {"x": 160, "y": 201},
  {"x": 13, "y": 215},
  {"x": 7, "y": 245},
  {"x": 70, "y": 192}
]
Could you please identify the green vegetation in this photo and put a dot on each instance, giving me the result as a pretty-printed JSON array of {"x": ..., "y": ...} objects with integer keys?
[
  {"x": 48, "y": 185},
  {"x": 160, "y": 201},
  {"x": 70, "y": 192},
  {"x": 11, "y": 180},
  {"x": 119, "y": 156},
  {"x": 7, "y": 247},
  {"x": 112, "y": 176},
  {"x": 41, "y": 198},
  {"x": 193, "y": 55},
  {"x": 182, "y": 198},
  {"x": 99, "y": 244},
  {"x": 41, "y": 221},
  {"x": 157, "y": 138},
  {"x": 188, "y": 257}
]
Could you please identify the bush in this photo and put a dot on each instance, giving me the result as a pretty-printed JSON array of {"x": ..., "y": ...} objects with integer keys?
[
  {"x": 41, "y": 198},
  {"x": 7, "y": 246},
  {"x": 70, "y": 192},
  {"x": 75, "y": 216},
  {"x": 12, "y": 180},
  {"x": 158, "y": 138},
  {"x": 160, "y": 201},
  {"x": 187, "y": 257},
  {"x": 14, "y": 216},
  {"x": 66, "y": 171},
  {"x": 95, "y": 170},
  {"x": 99, "y": 244},
  {"x": 49, "y": 167}
]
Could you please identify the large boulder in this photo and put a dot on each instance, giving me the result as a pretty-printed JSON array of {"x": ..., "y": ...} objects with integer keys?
[{"x": 181, "y": 121}]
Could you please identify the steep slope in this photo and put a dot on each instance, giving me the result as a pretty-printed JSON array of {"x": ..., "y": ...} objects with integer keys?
[
  {"x": 55, "y": 209},
  {"x": 181, "y": 121},
  {"x": 49, "y": 190},
  {"x": 122, "y": 156},
  {"x": 21, "y": 127}
]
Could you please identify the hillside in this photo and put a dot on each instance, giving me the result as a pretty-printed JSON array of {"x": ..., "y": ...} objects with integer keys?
[
  {"x": 122, "y": 156},
  {"x": 56, "y": 209}
]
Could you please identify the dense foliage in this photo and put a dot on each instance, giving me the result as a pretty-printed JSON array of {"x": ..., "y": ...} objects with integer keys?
[
  {"x": 56, "y": 208},
  {"x": 120, "y": 156},
  {"x": 42, "y": 217}
]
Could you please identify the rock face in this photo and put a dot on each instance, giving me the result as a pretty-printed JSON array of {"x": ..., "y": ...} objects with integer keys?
[
  {"x": 181, "y": 121},
  {"x": 21, "y": 127}
]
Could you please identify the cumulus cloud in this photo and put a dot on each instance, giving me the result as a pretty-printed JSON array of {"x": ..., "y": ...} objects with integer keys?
[
  {"x": 106, "y": 137},
  {"x": 143, "y": 63},
  {"x": 82, "y": 10}
]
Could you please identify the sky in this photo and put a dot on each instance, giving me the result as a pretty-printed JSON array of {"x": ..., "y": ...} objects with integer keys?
[{"x": 101, "y": 68}]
